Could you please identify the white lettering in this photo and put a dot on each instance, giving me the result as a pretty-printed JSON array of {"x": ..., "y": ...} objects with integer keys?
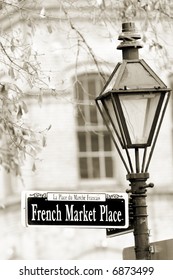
[
  {"x": 45, "y": 215},
  {"x": 34, "y": 211},
  {"x": 108, "y": 215},
  {"x": 80, "y": 215}
]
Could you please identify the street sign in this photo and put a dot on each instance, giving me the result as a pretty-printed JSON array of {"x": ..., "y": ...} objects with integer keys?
[
  {"x": 98, "y": 210},
  {"x": 112, "y": 232},
  {"x": 160, "y": 250}
]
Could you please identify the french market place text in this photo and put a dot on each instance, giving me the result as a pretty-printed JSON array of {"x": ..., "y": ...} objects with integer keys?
[{"x": 101, "y": 210}]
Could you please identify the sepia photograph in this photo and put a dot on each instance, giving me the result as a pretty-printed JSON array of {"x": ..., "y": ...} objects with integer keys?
[{"x": 86, "y": 130}]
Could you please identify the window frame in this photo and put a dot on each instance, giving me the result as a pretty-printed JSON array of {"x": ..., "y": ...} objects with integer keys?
[{"x": 89, "y": 127}]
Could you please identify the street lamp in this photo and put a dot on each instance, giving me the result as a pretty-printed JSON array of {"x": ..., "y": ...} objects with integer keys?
[{"x": 132, "y": 104}]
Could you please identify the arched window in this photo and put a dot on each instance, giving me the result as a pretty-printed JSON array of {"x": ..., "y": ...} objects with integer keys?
[{"x": 95, "y": 149}]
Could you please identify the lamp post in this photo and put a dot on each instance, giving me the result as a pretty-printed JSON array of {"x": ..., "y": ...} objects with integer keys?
[{"x": 132, "y": 104}]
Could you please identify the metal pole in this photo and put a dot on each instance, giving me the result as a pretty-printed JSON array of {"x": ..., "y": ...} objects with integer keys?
[{"x": 141, "y": 232}]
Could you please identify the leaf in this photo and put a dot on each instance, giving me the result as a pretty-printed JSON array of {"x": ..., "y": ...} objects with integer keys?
[
  {"x": 25, "y": 66},
  {"x": 12, "y": 44},
  {"x": 44, "y": 141},
  {"x": 11, "y": 73},
  {"x": 24, "y": 107},
  {"x": 43, "y": 13},
  {"x": 2, "y": 206},
  {"x": 17, "y": 170},
  {"x": 2, "y": 88},
  {"x": 34, "y": 167},
  {"x": 49, "y": 127},
  {"x": 19, "y": 113}
]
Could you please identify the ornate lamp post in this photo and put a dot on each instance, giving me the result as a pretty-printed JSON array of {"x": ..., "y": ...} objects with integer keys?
[{"x": 132, "y": 104}]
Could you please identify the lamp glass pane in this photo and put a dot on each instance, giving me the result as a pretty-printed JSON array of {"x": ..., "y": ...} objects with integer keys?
[
  {"x": 114, "y": 119},
  {"x": 139, "y": 112}
]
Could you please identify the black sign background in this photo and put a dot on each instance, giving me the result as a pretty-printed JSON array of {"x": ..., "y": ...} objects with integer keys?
[{"x": 44, "y": 204}]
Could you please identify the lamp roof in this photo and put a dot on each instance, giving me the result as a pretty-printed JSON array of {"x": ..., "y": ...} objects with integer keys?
[{"x": 133, "y": 75}]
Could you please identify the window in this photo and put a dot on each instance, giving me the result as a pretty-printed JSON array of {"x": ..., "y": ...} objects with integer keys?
[{"x": 95, "y": 155}]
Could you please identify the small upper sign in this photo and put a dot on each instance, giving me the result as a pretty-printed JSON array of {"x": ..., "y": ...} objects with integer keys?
[{"x": 98, "y": 210}]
